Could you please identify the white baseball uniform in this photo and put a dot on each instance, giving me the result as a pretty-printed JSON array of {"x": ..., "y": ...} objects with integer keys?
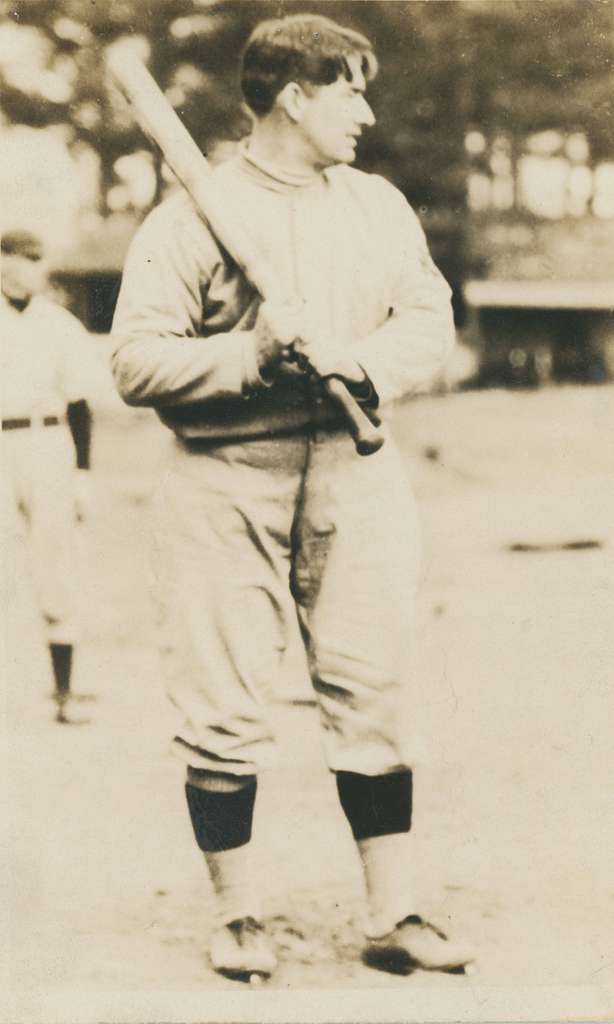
[
  {"x": 43, "y": 357},
  {"x": 265, "y": 510}
]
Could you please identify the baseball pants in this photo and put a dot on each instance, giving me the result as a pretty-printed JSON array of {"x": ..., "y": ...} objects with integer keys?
[
  {"x": 252, "y": 534},
  {"x": 38, "y": 503}
]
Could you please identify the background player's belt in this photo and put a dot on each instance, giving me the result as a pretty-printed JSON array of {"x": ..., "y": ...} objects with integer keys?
[{"x": 21, "y": 422}]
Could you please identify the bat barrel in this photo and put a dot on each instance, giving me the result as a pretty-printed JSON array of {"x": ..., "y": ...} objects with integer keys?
[{"x": 155, "y": 116}]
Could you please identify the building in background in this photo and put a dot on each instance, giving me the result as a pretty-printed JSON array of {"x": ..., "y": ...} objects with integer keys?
[{"x": 541, "y": 238}]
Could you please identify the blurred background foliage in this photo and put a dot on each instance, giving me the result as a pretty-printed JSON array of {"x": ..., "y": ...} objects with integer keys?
[{"x": 465, "y": 89}]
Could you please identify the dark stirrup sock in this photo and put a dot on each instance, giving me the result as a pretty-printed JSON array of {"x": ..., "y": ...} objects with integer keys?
[
  {"x": 376, "y": 805},
  {"x": 79, "y": 419},
  {"x": 61, "y": 660},
  {"x": 222, "y": 821}
]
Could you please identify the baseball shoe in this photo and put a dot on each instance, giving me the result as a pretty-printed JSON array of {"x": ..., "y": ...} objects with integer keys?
[
  {"x": 240, "y": 950},
  {"x": 416, "y": 944},
  {"x": 63, "y": 717}
]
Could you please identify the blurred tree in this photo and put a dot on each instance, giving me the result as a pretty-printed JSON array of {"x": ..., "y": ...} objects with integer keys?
[
  {"x": 542, "y": 66},
  {"x": 497, "y": 66},
  {"x": 73, "y": 37}
]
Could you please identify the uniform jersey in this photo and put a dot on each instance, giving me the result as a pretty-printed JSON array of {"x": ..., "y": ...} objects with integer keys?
[
  {"x": 42, "y": 359},
  {"x": 346, "y": 243}
]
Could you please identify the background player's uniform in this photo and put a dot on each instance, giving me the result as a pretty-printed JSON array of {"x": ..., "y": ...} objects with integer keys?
[
  {"x": 43, "y": 361},
  {"x": 264, "y": 496}
]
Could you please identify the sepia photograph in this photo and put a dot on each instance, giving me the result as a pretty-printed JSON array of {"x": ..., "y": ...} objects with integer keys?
[{"x": 307, "y": 503}]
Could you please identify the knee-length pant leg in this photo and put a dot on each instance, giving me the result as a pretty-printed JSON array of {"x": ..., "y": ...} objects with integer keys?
[
  {"x": 355, "y": 580},
  {"x": 223, "y": 520}
]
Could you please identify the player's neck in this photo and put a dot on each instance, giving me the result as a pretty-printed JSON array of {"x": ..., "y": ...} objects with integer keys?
[{"x": 282, "y": 149}]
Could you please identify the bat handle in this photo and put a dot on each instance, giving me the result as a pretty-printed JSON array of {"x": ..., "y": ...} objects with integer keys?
[{"x": 366, "y": 436}]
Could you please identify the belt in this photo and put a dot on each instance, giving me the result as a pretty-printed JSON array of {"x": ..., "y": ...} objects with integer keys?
[{"x": 25, "y": 421}]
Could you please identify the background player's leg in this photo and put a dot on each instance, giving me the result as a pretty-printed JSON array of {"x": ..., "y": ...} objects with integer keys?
[
  {"x": 61, "y": 662},
  {"x": 48, "y": 461}
]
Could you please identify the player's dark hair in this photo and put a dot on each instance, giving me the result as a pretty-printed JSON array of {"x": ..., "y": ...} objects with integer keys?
[{"x": 304, "y": 48}]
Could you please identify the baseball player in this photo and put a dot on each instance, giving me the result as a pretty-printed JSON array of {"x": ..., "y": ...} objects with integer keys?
[
  {"x": 46, "y": 430},
  {"x": 265, "y": 510}
]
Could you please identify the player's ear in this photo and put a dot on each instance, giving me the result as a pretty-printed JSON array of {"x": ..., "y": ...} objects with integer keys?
[{"x": 292, "y": 100}]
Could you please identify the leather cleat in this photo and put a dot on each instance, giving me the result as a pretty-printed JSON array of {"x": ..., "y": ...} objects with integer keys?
[
  {"x": 241, "y": 950},
  {"x": 416, "y": 944}
]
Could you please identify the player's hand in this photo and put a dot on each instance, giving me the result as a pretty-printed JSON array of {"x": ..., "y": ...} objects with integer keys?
[
  {"x": 325, "y": 357},
  {"x": 82, "y": 495},
  {"x": 277, "y": 327}
]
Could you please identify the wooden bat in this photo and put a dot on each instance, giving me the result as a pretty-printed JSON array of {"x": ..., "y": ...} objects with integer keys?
[{"x": 157, "y": 119}]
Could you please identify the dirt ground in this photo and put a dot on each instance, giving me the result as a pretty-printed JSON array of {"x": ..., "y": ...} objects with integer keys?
[{"x": 511, "y": 709}]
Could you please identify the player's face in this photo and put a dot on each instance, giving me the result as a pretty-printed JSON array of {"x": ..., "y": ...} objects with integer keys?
[
  {"x": 22, "y": 276},
  {"x": 334, "y": 117}
]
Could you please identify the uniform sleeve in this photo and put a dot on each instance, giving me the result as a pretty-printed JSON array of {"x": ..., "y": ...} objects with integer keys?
[
  {"x": 159, "y": 359},
  {"x": 410, "y": 349}
]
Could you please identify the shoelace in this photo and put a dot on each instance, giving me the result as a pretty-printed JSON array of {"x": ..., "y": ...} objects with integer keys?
[
  {"x": 244, "y": 926},
  {"x": 421, "y": 923}
]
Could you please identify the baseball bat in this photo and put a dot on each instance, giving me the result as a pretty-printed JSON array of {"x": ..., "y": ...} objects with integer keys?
[{"x": 157, "y": 119}]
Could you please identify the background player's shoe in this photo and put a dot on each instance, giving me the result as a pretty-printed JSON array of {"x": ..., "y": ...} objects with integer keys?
[
  {"x": 416, "y": 944},
  {"x": 63, "y": 716},
  {"x": 79, "y": 698},
  {"x": 241, "y": 950}
]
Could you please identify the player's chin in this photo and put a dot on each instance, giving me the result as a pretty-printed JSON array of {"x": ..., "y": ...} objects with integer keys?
[
  {"x": 14, "y": 292},
  {"x": 347, "y": 154}
]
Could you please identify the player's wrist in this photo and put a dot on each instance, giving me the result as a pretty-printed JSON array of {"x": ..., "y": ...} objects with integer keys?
[
  {"x": 256, "y": 374},
  {"x": 345, "y": 369}
]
